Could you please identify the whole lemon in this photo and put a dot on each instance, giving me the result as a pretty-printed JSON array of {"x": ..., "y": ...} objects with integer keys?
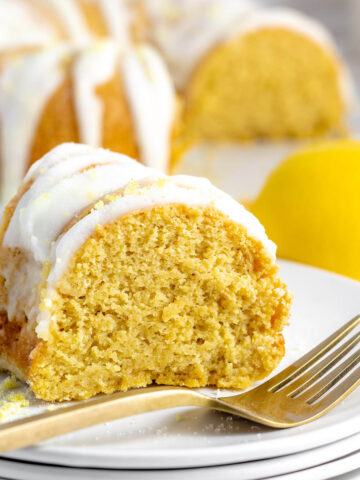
[{"x": 310, "y": 207}]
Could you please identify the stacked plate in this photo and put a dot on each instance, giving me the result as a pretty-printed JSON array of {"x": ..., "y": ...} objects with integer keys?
[{"x": 211, "y": 444}]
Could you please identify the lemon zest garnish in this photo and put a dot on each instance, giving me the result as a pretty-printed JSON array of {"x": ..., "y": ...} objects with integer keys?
[
  {"x": 99, "y": 205},
  {"x": 111, "y": 198}
]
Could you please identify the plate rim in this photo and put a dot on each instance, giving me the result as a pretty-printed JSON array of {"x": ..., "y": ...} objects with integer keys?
[{"x": 344, "y": 454}]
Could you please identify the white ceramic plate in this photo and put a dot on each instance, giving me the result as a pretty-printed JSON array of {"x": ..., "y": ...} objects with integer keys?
[
  {"x": 334, "y": 459},
  {"x": 240, "y": 170},
  {"x": 323, "y": 302}
]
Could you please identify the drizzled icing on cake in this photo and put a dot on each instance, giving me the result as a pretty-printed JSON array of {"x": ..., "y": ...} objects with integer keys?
[
  {"x": 71, "y": 17},
  {"x": 118, "y": 18},
  {"x": 25, "y": 87},
  {"x": 92, "y": 68},
  {"x": 151, "y": 96},
  {"x": 184, "y": 30},
  {"x": 72, "y": 190},
  {"x": 22, "y": 25},
  {"x": 27, "y": 84},
  {"x": 196, "y": 27},
  {"x": 27, "y": 23}
]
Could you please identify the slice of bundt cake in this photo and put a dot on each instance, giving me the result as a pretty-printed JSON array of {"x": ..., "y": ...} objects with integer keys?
[
  {"x": 101, "y": 95},
  {"x": 114, "y": 276},
  {"x": 251, "y": 72}
]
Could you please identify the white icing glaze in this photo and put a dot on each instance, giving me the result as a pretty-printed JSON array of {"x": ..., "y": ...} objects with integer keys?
[
  {"x": 152, "y": 102},
  {"x": 58, "y": 195},
  {"x": 22, "y": 25},
  {"x": 26, "y": 85},
  {"x": 63, "y": 191},
  {"x": 64, "y": 200},
  {"x": 72, "y": 18},
  {"x": 93, "y": 67},
  {"x": 185, "y": 30},
  {"x": 57, "y": 155},
  {"x": 287, "y": 19},
  {"x": 196, "y": 27},
  {"x": 117, "y": 16},
  {"x": 149, "y": 91}
]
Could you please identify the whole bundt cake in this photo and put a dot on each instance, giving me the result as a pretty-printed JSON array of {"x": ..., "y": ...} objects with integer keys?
[
  {"x": 102, "y": 95},
  {"x": 250, "y": 72}
]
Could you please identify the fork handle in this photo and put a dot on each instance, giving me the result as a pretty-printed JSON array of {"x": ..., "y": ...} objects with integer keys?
[{"x": 30, "y": 430}]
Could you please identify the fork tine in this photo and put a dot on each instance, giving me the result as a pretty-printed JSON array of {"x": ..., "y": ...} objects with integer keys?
[
  {"x": 311, "y": 375},
  {"x": 331, "y": 379},
  {"x": 341, "y": 391},
  {"x": 298, "y": 367}
]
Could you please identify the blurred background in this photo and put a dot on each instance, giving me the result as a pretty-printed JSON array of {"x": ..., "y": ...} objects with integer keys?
[
  {"x": 342, "y": 18},
  {"x": 243, "y": 170}
]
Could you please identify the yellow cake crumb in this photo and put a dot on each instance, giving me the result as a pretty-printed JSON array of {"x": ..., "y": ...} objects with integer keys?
[
  {"x": 10, "y": 383},
  {"x": 194, "y": 313},
  {"x": 12, "y": 404},
  {"x": 275, "y": 94}
]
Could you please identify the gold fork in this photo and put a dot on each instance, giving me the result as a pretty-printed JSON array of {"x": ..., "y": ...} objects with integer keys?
[{"x": 299, "y": 394}]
